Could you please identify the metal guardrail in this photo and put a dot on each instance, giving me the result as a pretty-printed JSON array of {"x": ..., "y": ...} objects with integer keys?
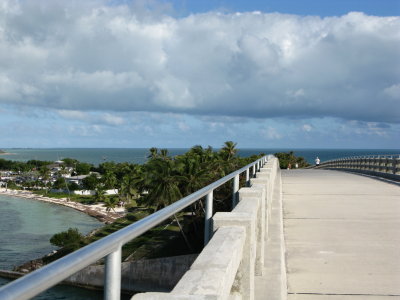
[
  {"x": 377, "y": 164},
  {"x": 110, "y": 246}
]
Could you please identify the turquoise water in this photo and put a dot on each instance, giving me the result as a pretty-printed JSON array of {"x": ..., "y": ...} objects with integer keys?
[
  {"x": 25, "y": 229},
  {"x": 138, "y": 155}
]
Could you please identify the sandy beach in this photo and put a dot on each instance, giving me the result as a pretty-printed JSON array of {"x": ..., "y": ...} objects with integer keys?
[{"x": 97, "y": 211}]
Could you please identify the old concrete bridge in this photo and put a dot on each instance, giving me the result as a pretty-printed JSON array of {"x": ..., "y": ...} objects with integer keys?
[
  {"x": 329, "y": 235},
  {"x": 306, "y": 234}
]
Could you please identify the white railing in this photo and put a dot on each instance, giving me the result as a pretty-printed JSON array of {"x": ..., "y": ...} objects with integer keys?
[
  {"x": 380, "y": 165},
  {"x": 228, "y": 265},
  {"x": 110, "y": 246}
]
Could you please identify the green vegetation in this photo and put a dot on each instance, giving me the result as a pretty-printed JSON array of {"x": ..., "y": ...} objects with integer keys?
[
  {"x": 163, "y": 240},
  {"x": 159, "y": 182},
  {"x": 144, "y": 189},
  {"x": 18, "y": 166},
  {"x": 286, "y": 159},
  {"x": 70, "y": 240}
]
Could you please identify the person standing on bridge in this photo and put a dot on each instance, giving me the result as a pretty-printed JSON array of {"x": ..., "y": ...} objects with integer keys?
[{"x": 317, "y": 161}]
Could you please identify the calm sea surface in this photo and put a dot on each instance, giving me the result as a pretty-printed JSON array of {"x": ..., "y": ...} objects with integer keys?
[
  {"x": 27, "y": 225},
  {"x": 25, "y": 229},
  {"x": 138, "y": 155}
]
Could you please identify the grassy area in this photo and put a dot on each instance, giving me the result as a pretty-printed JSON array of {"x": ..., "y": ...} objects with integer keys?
[{"x": 73, "y": 197}]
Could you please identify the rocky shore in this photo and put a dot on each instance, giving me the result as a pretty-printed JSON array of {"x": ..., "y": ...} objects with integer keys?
[{"x": 97, "y": 211}]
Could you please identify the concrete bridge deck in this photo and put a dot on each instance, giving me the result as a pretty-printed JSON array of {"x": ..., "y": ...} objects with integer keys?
[{"x": 342, "y": 235}]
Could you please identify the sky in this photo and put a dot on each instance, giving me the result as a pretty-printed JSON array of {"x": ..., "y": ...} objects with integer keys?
[{"x": 264, "y": 74}]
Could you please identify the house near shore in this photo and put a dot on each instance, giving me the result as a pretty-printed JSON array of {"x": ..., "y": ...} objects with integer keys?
[
  {"x": 76, "y": 179},
  {"x": 92, "y": 192},
  {"x": 58, "y": 166}
]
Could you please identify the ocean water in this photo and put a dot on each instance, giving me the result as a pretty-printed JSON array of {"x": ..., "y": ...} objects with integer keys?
[
  {"x": 25, "y": 229},
  {"x": 139, "y": 155}
]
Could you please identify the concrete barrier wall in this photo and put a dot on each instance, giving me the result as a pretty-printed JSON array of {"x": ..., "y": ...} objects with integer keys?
[
  {"x": 227, "y": 266},
  {"x": 160, "y": 274}
]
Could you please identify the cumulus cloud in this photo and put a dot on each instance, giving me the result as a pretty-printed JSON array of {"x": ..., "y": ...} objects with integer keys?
[
  {"x": 271, "y": 133},
  {"x": 307, "y": 127},
  {"x": 393, "y": 91},
  {"x": 91, "y": 56}
]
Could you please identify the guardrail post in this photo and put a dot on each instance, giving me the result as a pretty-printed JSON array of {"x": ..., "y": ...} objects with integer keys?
[
  {"x": 208, "y": 216},
  {"x": 248, "y": 177},
  {"x": 235, "y": 191},
  {"x": 112, "y": 276},
  {"x": 387, "y": 165}
]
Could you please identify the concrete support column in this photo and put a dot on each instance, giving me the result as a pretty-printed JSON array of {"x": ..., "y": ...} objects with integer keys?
[{"x": 112, "y": 278}]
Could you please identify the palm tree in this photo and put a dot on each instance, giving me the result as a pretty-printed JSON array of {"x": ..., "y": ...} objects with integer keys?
[
  {"x": 100, "y": 193},
  {"x": 64, "y": 171},
  {"x": 229, "y": 150},
  {"x": 109, "y": 180},
  {"x": 110, "y": 203},
  {"x": 194, "y": 175},
  {"x": 44, "y": 173},
  {"x": 126, "y": 190},
  {"x": 153, "y": 153},
  {"x": 164, "y": 154},
  {"x": 163, "y": 183}
]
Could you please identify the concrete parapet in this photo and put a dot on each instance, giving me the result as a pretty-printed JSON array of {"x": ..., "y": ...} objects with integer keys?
[
  {"x": 227, "y": 266},
  {"x": 267, "y": 184},
  {"x": 272, "y": 285},
  {"x": 245, "y": 214},
  {"x": 266, "y": 178},
  {"x": 258, "y": 192},
  {"x": 213, "y": 273}
]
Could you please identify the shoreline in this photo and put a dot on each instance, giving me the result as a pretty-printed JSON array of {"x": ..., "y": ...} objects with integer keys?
[{"x": 97, "y": 211}]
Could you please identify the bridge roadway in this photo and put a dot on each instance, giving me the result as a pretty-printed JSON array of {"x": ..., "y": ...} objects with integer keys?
[{"x": 342, "y": 236}]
